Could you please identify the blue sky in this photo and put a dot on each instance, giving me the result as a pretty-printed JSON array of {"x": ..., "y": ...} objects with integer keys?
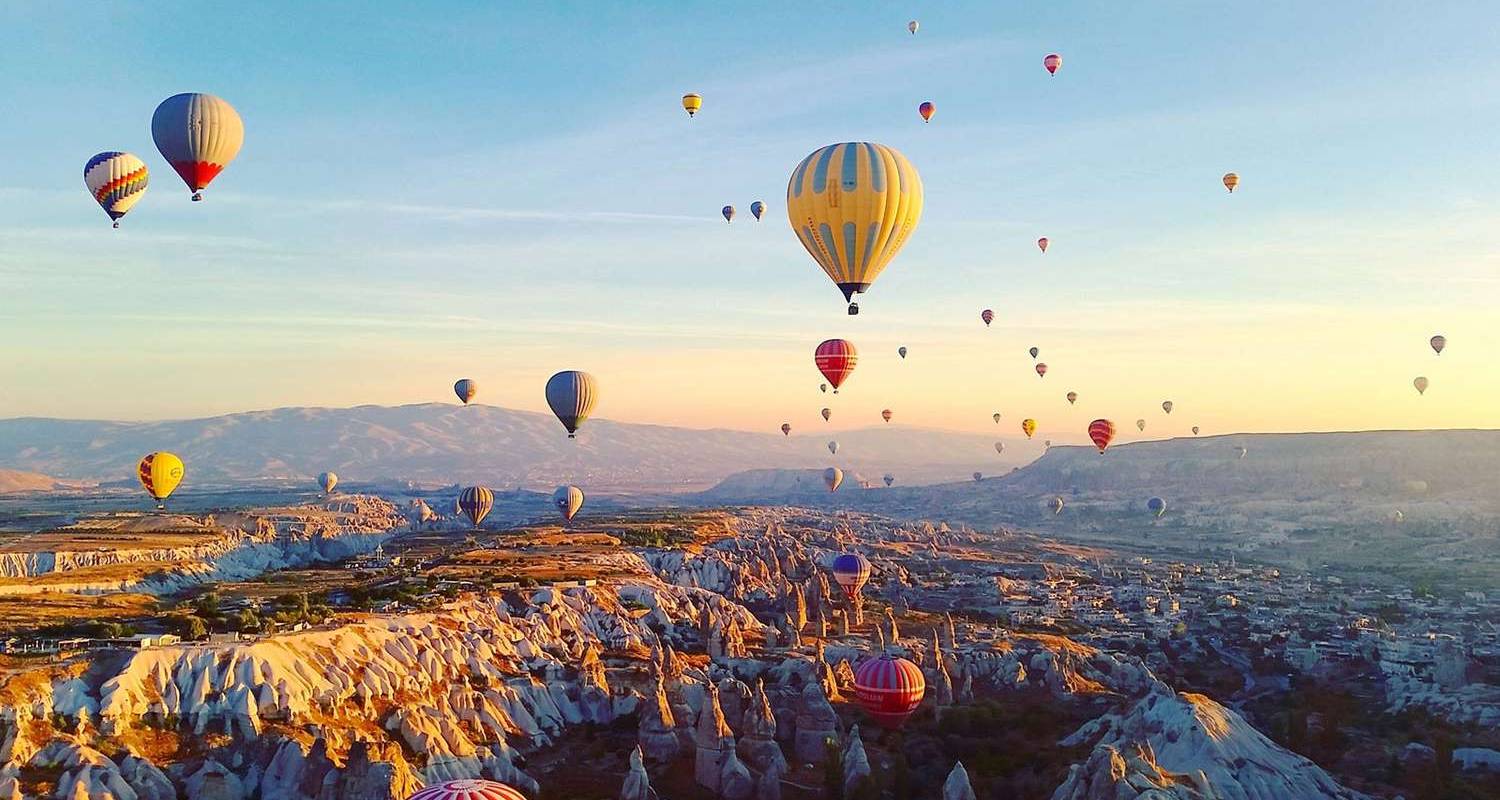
[{"x": 499, "y": 193}]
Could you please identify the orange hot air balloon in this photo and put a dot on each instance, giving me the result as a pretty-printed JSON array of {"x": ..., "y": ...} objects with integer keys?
[
  {"x": 988, "y": 316},
  {"x": 1028, "y": 427},
  {"x": 827, "y": 412},
  {"x": 886, "y": 415},
  {"x": 1231, "y": 180},
  {"x": 926, "y": 110},
  {"x": 1052, "y": 61},
  {"x": 1102, "y": 432},
  {"x": 1072, "y": 398},
  {"x": 836, "y": 359},
  {"x": 1042, "y": 243},
  {"x": 1041, "y": 370}
]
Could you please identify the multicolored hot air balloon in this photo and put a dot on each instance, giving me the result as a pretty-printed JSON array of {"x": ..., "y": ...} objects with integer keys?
[
  {"x": 571, "y": 395},
  {"x": 757, "y": 210},
  {"x": 1140, "y": 424},
  {"x": 912, "y": 26},
  {"x": 475, "y": 502},
  {"x": 198, "y": 134},
  {"x": 466, "y": 388},
  {"x": 886, "y": 415},
  {"x": 728, "y": 212},
  {"x": 691, "y": 102},
  {"x": 1072, "y": 398},
  {"x": 1028, "y": 427},
  {"x": 327, "y": 481},
  {"x": 1421, "y": 384},
  {"x": 836, "y": 359},
  {"x": 1195, "y": 430},
  {"x": 1052, "y": 61},
  {"x": 889, "y": 479},
  {"x": 116, "y": 180},
  {"x": 926, "y": 110},
  {"x": 567, "y": 499},
  {"x": 1000, "y": 447},
  {"x": 786, "y": 429},
  {"x": 833, "y": 447},
  {"x": 1156, "y": 506},
  {"x": 1166, "y": 405},
  {"x": 832, "y": 477},
  {"x": 853, "y": 206},
  {"x": 988, "y": 316},
  {"x": 1041, "y": 370},
  {"x": 1042, "y": 243},
  {"x": 1438, "y": 343},
  {"x": 1102, "y": 432},
  {"x": 889, "y": 688},
  {"x": 827, "y": 412},
  {"x": 467, "y": 789},
  {"x": 901, "y": 351},
  {"x": 1057, "y": 505},
  {"x": 852, "y": 571},
  {"x": 1034, "y": 352},
  {"x": 1231, "y": 180},
  {"x": 996, "y": 417},
  {"x": 160, "y": 473}
]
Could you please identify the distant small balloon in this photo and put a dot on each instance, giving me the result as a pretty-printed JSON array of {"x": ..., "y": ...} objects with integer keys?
[
  {"x": 1140, "y": 424},
  {"x": 827, "y": 412},
  {"x": 1057, "y": 505},
  {"x": 1052, "y": 61},
  {"x": 1034, "y": 352},
  {"x": 1028, "y": 427},
  {"x": 1041, "y": 370},
  {"x": 889, "y": 479},
  {"x": 823, "y": 387},
  {"x": 1195, "y": 430},
  {"x": 832, "y": 477},
  {"x": 567, "y": 499},
  {"x": 926, "y": 110},
  {"x": 475, "y": 502},
  {"x": 1421, "y": 384},
  {"x": 757, "y": 208},
  {"x": 996, "y": 417},
  {"x": 786, "y": 429},
  {"x": 327, "y": 481},
  {"x": 691, "y": 103},
  {"x": 1101, "y": 432},
  {"x": 1166, "y": 406},
  {"x": 978, "y": 476},
  {"x": 1438, "y": 343},
  {"x": 466, "y": 389},
  {"x": 1240, "y": 452},
  {"x": 1042, "y": 243},
  {"x": 901, "y": 351},
  {"x": 728, "y": 212},
  {"x": 1156, "y": 506},
  {"x": 886, "y": 415},
  {"x": 1072, "y": 398},
  {"x": 912, "y": 26},
  {"x": 988, "y": 316},
  {"x": 833, "y": 448},
  {"x": 1231, "y": 180},
  {"x": 1000, "y": 447}
]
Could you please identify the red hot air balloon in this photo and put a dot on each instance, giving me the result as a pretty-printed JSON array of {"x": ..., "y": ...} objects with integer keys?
[
  {"x": 1041, "y": 370},
  {"x": 889, "y": 688},
  {"x": 1102, "y": 432},
  {"x": 469, "y": 789},
  {"x": 836, "y": 359},
  {"x": 1052, "y": 61},
  {"x": 1042, "y": 243},
  {"x": 926, "y": 110},
  {"x": 988, "y": 316}
]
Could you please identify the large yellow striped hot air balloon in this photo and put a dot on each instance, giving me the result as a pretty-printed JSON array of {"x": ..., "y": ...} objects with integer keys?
[
  {"x": 853, "y": 205},
  {"x": 160, "y": 472}
]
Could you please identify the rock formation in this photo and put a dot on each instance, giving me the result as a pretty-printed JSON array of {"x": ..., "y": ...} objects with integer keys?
[
  {"x": 637, "y": 784},
  {"x": 957, "y": 787},
  {"x": 856, "y": 763},
  {"x": 657, "y": 729},
  {"x": 816, "y": 723},
  {"x": 714, "y": 742}
]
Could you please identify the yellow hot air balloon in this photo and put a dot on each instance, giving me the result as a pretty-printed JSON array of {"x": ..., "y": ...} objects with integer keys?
[
  {"x": 853, "y": 205},
  {"x": 160, "y": 472},
  {"x": 1028, "y": 427},
  {"x": 691, "y": 102}
]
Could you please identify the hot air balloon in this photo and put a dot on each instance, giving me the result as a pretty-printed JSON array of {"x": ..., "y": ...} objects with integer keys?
[
  {"x": 1000, "y": 447},
  {"x": 116, "y": 180},
  {"x": 853, "y": 206},
  {"x": 889, "y": 479},
  {"x": 1166, "y": 405},
  {"x": 160, "y": 472},
  {"x": 572, "y": 394},
  {"x": 832, "y": 477},
  {"x": 1240, "y": 452},
  {"x": 757, "y": 209},
  {"x": 1041, "y": 370},
  {"x": 827, "y": 412},
  {"x": 1398, "y": 517},
  {"x": 1034, "y": 352},
  {"x": 466, "y": 389},
  {"x": 901, "y": 351},
  {"x": 1047, "y": 443},
  {"x": 1195, "y": 430},
  {"x": 691, "y": 102},
  {"x": 1042, "y": 243},
  {"x": 1231, "y": 180},
  {"x": 912, "y": 26},
  {"x": 1421, "y": 384},
  {"x": 833, "y": 447},
  {"x": 468, "y": 789},
  {"x": 475, "y": 502},
  {"x": 886, "y": 415},
  {"x": 1140, "y": 425},
  {"x": 1028, "y": 427},
  {"x": 836, "y": 358},
  {"x": 567, "y": 499},
  {"x": 1102, "y": 432},
  {"x": 926, "y": 110},
  {"x": 328, "y": 480},
  {"x": 852, "y": 571},
  {"x": 1072, "y": 398},
  {"x": 1057, "y": 505},
  {"x": 1438, "y": 343},
  {"x": 996, "y": 417},
  {"x": 889, "y": 688},
  {"x": 978, "y": 476},
  {"x": 786, "y": 429},
  {"x": 1052, "y": 61},
  {"x": 1156, "y": 506},
  {"x": 988, "y": 316},
  {"x": 728, "y": 212},
  {"x": 823, "y": 387},
  {"x": 198, "y": 134}
]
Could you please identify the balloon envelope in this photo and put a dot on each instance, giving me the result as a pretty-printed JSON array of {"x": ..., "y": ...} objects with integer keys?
[
  {"x": 116, "y": 180},
  {"x": 836, "y": 359},
  {"x": 886, "y": 415},
  {"x": 467, "y": 789},
  {"x": 1041, "y": 370},
  {"x": 198, "y": 134},
  {"x": 1072, "y": 398},
  {"x": 988, "y": 316},
  {"x": 912, "y": 26},
  {"x": 1000, "y": 447},
  {"x": 1028, "y": 427},
  {"x": 786, "y": 429},
  {"x": 1195, "y": 430},
  {"x": 1102, "y": 432},
  {"x": 901, "y": 351},
  {"x": 889, "y": 689},
  {"x": 1057, "y": 505},
  {"x": 996, "y": 417},
  {"x": 827, "y": 412},
  {"x": 1166, "y": 406},
  {"x": 757, "y": 209},
  {"x": 328, "y": 480},
  {"x": 1052, "y": 61},
  {"x": 160, "y": 473},
  {"x": 889, "y": 479},
  {"x": 466, "y": 389},
  {"x": 728, "y": 212},
  {"x": 1042, "y": 243},
  {"x": 1034, "y": 351},
  {"x": 833, "y": 447},
  {"x": 567, "y": 499},
  {"x": 1421, "y": 384},
  {"x": 1140, "y": 424},
  {"x": 571, "y": 395},
  {"x": 691, "y": 103},
  {"x": 1231, "y": 180},
  {"x": 832, "y": 477},
  {"x": 926, "y": 110},
  {"x": 978, "y": 476},
  {"x": 852, "y": 571},
  {"x": 1156, "y": 506},
  {"x": 475, "y": 502},
  {"x": 1438, "y": 343}
]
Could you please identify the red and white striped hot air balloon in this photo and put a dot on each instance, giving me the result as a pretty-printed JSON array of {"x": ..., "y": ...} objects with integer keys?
[
  {"x": 836, "y": 359},
  {"x": 471, "y": 789},
  {"x": 889, "y": 688},
  {"x": 1052, "y": 61},
  {"x": 988, "y": 316},
  {"x": 1102, "y": 432}
]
